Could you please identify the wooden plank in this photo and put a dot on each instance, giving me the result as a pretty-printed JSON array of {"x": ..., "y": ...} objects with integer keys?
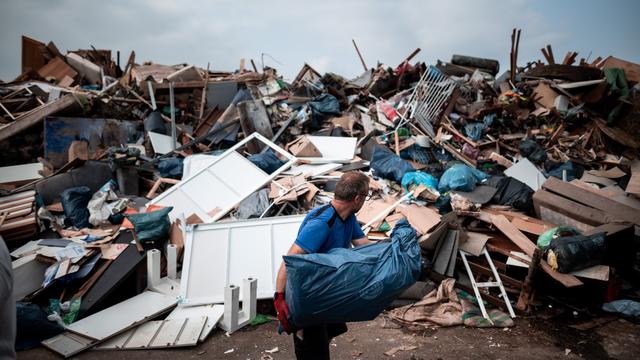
[
  {"x": 526, "y": 245},
  {"x": 58, "y": 69},
  {"x": 530, "y": 227},
  {"x": 576, "y": 211},
  {"x": 507, "y": 228},
  {"x": 24, "y": 122},
  {"x": 611, "y": 207},
  {"x": 633, "y": 187}
]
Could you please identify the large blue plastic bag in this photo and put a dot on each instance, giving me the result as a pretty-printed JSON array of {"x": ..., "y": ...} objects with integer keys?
[
  {"x": 460, "y": 177},
  {"x": 419, "y": 178},
  {"x": 346, "y": 285},
  {"x": 388, "y": 165}
]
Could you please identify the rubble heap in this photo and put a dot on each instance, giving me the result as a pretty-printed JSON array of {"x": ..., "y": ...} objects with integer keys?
[{"x": 210, "y": 173}]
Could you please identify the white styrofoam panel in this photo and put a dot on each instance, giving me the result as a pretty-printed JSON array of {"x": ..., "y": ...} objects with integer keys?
[
  {"x": 161, "y": 143},
  {"x": 20, "y": 172},
  {"x": 212, "y": 312},
  {"x": 122, "y": 316},
  {"x": 214, "y": 190},
  {"x": 312, "y": 169},
  {"x": 525, "y": 171},
  {"x": 226, "y": 253},
  {"x": 333, "y": 149}
]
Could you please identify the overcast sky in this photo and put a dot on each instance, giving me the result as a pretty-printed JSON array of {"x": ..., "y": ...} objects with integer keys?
[{"x": 291, "y": 33}]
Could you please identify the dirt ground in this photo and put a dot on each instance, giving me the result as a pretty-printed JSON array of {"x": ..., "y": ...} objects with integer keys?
[{"x": 529, "y": 339}]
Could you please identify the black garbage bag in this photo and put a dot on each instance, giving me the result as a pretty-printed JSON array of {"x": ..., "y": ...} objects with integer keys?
[
  {"x": 171, "y": 168},
  {"x": 511, "y": 192},
  {"x": 152, "y": 228},
  {"x": 533, "y": 151},
  {"x": 571, "y": 253},
  {"x": 74, "y": 203},
  {"x": 267, "y": 161},
  {"x": 388, "y": 165},
  {"x": 33, "y": 326}
]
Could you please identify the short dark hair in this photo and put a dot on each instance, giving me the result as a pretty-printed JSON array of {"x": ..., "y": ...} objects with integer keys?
[{"x": 351, "y": 184}]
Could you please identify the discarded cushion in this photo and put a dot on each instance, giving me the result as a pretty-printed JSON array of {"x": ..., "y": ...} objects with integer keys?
[
  {"x": 461, "y": 177},
  {"x": 388, "y": 165},
  {"x": 347, "y": 285},
  {"x": 74, "y": 203}
]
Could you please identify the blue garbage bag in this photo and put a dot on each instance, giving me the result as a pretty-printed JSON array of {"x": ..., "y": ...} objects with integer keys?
[
  {"x": 267, "y": 161},
  {"x": 388, "y": 165},
  {"x": 346, "y": 285},
  {"x": 419, "y": 178},
  {"x": 461, "y": 177}
]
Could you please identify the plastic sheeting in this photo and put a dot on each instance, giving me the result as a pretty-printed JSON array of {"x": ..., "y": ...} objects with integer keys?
[{"x": 346, "y": 285}]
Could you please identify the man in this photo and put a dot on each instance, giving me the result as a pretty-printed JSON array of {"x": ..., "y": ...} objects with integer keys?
[{"x": 326, "y": 227}]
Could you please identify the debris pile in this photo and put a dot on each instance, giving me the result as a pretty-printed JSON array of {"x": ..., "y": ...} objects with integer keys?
[{"x": 135, "y": 190}]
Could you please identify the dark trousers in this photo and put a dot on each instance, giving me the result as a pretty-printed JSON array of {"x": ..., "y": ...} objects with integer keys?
[{"x": 314, "y": 344}]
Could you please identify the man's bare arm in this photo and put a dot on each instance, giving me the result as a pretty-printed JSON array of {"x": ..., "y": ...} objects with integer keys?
[
  {"x": 281, "y": 280},
  {"x": 362, "y": 241}
]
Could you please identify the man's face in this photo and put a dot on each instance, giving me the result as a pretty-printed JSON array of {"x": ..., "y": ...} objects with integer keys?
[{"x": 359, "y": 200}]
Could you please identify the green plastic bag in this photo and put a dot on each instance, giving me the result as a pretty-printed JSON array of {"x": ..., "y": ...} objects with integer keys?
[
  {"x": 545, "y": 238},
  {"x": 152, "y": 227}
]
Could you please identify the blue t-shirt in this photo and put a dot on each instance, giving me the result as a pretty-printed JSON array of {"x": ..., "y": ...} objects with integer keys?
[{"x": 315, "y": 236}]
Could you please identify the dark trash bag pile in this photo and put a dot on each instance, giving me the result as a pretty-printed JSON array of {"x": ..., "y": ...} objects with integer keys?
[{"x": 346, "y": 285}]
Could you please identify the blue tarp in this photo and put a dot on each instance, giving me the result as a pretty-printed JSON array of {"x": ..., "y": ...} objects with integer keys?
[{"x": 346, "y": 285}]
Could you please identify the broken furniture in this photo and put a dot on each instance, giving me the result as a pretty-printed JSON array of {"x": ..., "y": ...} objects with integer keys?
[
  {"x": 224, "y": 253},
  {"x": 213, "y": 191}
]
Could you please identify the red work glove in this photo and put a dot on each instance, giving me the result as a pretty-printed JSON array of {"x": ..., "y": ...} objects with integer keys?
[{"x": 282, "y": 310}]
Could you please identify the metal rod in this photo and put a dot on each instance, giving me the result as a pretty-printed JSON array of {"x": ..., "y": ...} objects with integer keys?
[{"x": 152, "y": 96}]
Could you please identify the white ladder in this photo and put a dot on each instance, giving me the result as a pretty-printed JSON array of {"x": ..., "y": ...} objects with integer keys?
[{"x": 476, "y": 285}]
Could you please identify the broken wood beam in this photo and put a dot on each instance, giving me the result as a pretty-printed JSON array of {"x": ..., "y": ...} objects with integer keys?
[
  {"x": 552, "y": 60},
  {"x": 26, "y": 121},
  {"x": 528, "y": 289},
  {"x": 528, "y": 247},
  {"x": 359, "y": 55}
]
